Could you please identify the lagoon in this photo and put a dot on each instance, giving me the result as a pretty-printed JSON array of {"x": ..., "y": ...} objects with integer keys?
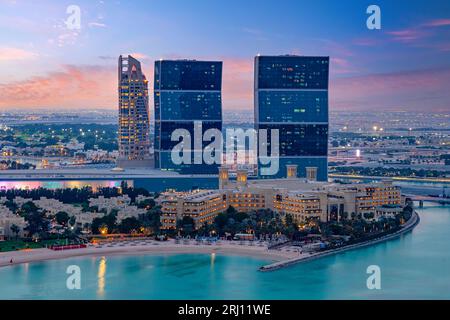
[{"x": 415, "y": 266}]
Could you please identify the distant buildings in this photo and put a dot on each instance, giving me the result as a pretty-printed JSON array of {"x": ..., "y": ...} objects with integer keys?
[
  {"x": 291, "y": 95},
  {"x": 134, "y": 125},
  {"x": 186, "y": 92}
]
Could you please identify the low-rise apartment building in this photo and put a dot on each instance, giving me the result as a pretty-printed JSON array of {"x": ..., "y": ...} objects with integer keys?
[
  {"x": 201, "y": 205},
  {"x": 304, "y": 200}
]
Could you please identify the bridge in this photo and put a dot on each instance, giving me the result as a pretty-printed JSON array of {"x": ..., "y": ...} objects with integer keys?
[
  {"x": 422, "y": 199},
  {"x": 380, "y": 178}
]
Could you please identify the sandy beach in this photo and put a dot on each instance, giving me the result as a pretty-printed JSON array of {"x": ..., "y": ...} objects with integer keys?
[
  {"x": 148, "y": 247},
  {"x": 278, "y": 258}
]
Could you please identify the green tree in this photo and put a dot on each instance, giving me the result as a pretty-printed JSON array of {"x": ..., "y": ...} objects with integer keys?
[
  {"x": 27, "y": 208},
  {"x": 108, "y": 221},
  {"x": 15, "y": 229},
  {"x": 72, "y": 221},
  {"x": 37, "y": 223},
  {"x": 152, "y": 219},
  {"x": 221, "y": 220},
  {"x": 186, "y": 225},
  {"x": 62, "y": 218},
  {"x": 231, "y": 210},
  {"x": 11, "y": 205},
  {"x": 129, "y": 225},
  {"x": 147, "y": 204}
]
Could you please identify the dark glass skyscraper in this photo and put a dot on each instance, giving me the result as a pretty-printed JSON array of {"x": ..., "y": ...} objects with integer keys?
[
  {"x": 134, "y": 124},
  {"x": 291, "y": 95},
  {"x": 186, "y": 91}
]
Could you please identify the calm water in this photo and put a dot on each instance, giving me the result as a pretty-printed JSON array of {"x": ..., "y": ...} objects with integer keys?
[{"x": 417, "y": 266}]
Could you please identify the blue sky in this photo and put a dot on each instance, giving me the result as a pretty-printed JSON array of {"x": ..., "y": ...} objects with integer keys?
[{"x": 403, "y": 66}]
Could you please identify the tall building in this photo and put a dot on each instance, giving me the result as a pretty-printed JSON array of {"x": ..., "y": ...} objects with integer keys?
[
  {"x": 187, "y": 93},
  {"x": 291, "y": 95},
  {"x": 134, "y": 124}
]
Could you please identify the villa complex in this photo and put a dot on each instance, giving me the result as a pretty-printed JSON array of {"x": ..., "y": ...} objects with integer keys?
[
  {"x": 7, "y": 220},
  {"x": 101, "y": 206}
]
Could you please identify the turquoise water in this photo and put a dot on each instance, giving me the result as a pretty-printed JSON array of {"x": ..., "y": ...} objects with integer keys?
[{"x": 416, "y": 266}]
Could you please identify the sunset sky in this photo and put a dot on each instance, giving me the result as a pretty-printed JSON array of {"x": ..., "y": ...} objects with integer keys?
[{"x": 403, "y": 66}]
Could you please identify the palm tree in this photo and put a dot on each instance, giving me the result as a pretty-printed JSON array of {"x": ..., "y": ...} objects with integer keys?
[{"x": 72, "y": 221}]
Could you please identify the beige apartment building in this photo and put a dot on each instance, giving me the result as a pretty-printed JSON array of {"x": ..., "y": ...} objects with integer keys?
[
  {"x": 201, "y": 205},
  {"x": 304, "y": 199}
]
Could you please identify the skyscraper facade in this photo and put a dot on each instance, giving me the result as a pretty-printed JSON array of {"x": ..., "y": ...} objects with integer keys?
[
  {"x": 291, "y": 95},
  {"x": 134, "y": 124},
  {"x": 188, "y": 95}
]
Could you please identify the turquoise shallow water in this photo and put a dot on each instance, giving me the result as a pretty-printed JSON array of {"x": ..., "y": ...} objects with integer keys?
[{"x": 416, "y": 266}]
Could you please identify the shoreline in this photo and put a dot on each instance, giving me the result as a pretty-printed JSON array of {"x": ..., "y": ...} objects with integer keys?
[
  {"x": 281, "y": 259},
  {"x": 406, "y": 228},
  {"x": 161, "y": 248}
]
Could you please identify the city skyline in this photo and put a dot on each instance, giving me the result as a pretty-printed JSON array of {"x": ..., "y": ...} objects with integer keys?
[
  {"x": 45, "y": 65},
  {"x": 232, "y": 154}
]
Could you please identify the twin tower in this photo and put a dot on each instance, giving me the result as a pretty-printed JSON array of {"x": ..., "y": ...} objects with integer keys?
[{"x": 290, "y": 95}]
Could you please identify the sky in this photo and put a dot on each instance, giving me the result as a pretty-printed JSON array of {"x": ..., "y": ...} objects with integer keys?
[{"x": 403, "y": 66}]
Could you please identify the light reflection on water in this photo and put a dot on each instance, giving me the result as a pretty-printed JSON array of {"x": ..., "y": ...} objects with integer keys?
[
  {"x": 101, "y": 277},
  {"x": 415, "y": 266}
]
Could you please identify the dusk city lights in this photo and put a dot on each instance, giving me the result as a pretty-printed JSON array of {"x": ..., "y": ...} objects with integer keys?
[{"x": 233, "y": 157}]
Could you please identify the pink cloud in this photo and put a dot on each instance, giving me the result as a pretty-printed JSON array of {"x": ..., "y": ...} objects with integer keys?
[
  {"x": 438, "y": 23},
  {"x": 418, "y": 34},
  {"x": 140, "y": 56},
  {"x": 406, "y": 35},
  {"x": 413, "y": 90},
  {"x": 341, "y": 66},
  {"x": 73, "y": 87},
  {"x": 237, "y": 88},
  {"x": 10, "y": 54},
  {"x": 96, "y": 87}
]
